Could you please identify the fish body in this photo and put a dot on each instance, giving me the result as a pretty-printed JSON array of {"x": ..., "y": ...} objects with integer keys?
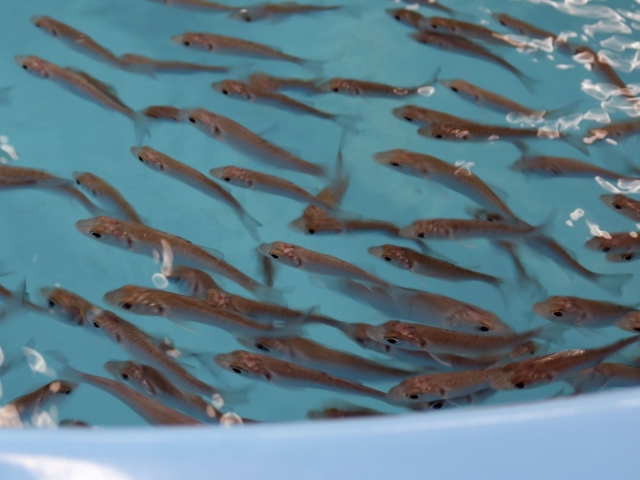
[
  {"x": 550, "y": 167},
  {"x": 36, "y": 400},
  {"x": 148, "y": 64},
  {"x": 622, "y": 204},
  {"x": 145, "y": 240},
  {"x": 224, "y": 129},
  {"x": 201, "y": 5},
  {"x": 162, "y": 112},
  {"x": 106, "y": 194},
  {"x": 476, "y": 132},
  {"x": 615, "y": 131},
  {"x": 426, "y": 116},
  {"x": 279, "y": 372},
  {"x": 616, "y": 375},
  {"x": 315, "y": 262},
  {"x": 492, "y": 100},
  {"x": 522, "y": 27},
  {"x": 462, "y": 29},
  {"x": 352, "y": 86},
  {"x": 68, "y": 306},
  {"x": 601, "y": 68},
  {"x": 408, "y": 17},
  {"x": 263, "y": 11},
  {"x": 617, "y": 242},
  {"x": 269, "y": 82},
  {"x": 453, "y": 229},
  {"x": 194, "y": 282}
]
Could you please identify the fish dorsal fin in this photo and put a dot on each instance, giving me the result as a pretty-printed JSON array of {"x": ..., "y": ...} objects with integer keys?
[{"x": 107, "y": 90}]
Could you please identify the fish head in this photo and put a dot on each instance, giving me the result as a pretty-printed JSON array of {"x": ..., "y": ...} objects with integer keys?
[
  {"x": 285, "y": 253},
  {"x": 249, "y": 14},
  {"x": 396, "y": 334},
  {"x": 66, "y": 305},
  {"x": 455, "y": 85},
  {"x": 522, "y": 165},
  {"x": 34, "y": 65},
  {"x": 622, "y": 257},
  {"x": 202, "y": 119},
  {"x": 233, "y": 175},
  {"x": 105, "y": 229},
  {"x": 194, "y": 40},
  {"x": 410, "y": 113},
  {"x": 521, "y": 375},
  {"x": 134, "y": 299},
  {"x": 394, "y": 255},
  {"x": 441, "y": 131},
  {"x": 602, "y": 244},
  {"x": 107, "y": 322},
  {"x": 424, "y": 229},
  {"x": 471, "y": 319},
  {"x": 194, "y": 282},
  {"x": 437, "y": 24},
  {"x": 620, "y": 203},
  {"x": 406, "y": 392},
  {"x": 45, "y": 23},
  {"x": 560, "y": 309},
  {"x": 315, "y": 220},
  {"x": 401, "y": 160},
  {"x": 130, "y": 373},
  {"x": 86, "y": 181},
  {"x": 241, "y": 363},
  {"x": 267, "y": 345},
  {"x": 219, "y": 299},
  {"x": 527, "y": 349},
  {"x": 162, "y": 112},
  {"x": 501, "y": 18},
  {"x": 149, "y": 157},
  {"x": 630, "y": 322},
  {"x": 232, "y": 88},
  {"x": 403, "y": 15},
  {"x": 339, "y": 85},
  {"x": 60, "y": 387}
]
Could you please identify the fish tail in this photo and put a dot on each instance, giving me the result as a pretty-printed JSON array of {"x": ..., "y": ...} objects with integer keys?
[
  {"x": 576, "y": 142},
  {"x": 5, "y": 96},
  {"x": 552, "y": 332},
  {"x": 612, "y": 283},
  {"x": 250, "y": 224},
  {"x": 138, "y": 68},
  {"x": 433, "y": 80},
  {"x": 141, "y": 123},
  {"x": 348, "y": 122},
  {"x": 528, "y": 82},
  {"x": 314, "y": 66},
  {"x": 562, "y": 111}
]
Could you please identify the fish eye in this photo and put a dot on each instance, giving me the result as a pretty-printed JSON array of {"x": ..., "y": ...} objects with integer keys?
[
  {"x": 124, "y": 376},
  {"x": 186, "y": 43},
  {"x": 636, "y": 329},
  {"x": 52, "y": 303},
  {"x": 262, "y": 346},
  {"x": 437, "y": 136},
  {"x": 484, "y": 328},
  {"x": 192, "y": 120},
  {"x": 519, "y": 385},
  {"x": 237, "y": 370},
  {"x": 391, "y": 340},
  {"x": 454, "y": 89},
  {"x": 413, "y": 396},
  {"x": 437, "y": 405},
  {"x": 502, "y": 22},
  {"x": 433, "y": 25},
  {"x": 605, "y": 249},
  {"x": 420, "y": 235},
  {"x": 96, "y": 324},
  {"x": 628, "y": 257},
  {"x": 141, "y": 159},
  {"x": 225, "y": 92},
  {"x": 397, "y": 17},
  {"x": 408, "y": 119},
  {"x": 67, "y": 391},
  {"x": 360, "y": 340},
  {"x": 617, "y": 206},
  {"x": 558, "y": 313},
  {"x": 394, "y": 164},
  {"x": 126, "y": 306},
  {"x": 96, "y": 234},
  {"x": 311, "y": 231},
  {"x": 247, "y": 19},
  {"x": 226, "y": 179},
  {"x": 78, "y": 182},
  {"x": 387, "y": 259},
  {"x": 335, "y": 89},
  {"x": 25, "y": 67},
  {"x": 273, "y": 255}
]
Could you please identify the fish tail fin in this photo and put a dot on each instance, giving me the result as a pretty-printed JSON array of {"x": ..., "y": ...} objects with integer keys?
[
  {"x": 314, "y": 66},
  {"x": 433, "y": 80},
  {"x": 5, "y": 96},
  {"x": 141, "y": 69},
  {"x": 250, "y": 224},
  {"x": 522, "y": 146},
  {"x": 141, "y": 123},
  {"x": 562, "y": 111},
  {"x": 528, "y": 82},
  {"x": 576, "y": 142},
  {"x": 612, "y": 283},
  {"x": 348, "y": 122},
  {"x": 552, "y": 332},
  {"x": 67, "y": 372}
]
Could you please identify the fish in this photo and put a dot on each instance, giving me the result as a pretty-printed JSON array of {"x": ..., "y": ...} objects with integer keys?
[
  {"x": 583, "y": 312},
  {"x": 279, "y": 372},
  {"x": 443, "y": 385},
  {"x": 162, "y": 112},
  {"x": 151, "y": 382},
  {"x": 238, "y": 137},
  {"x": 492, "y": 100},
  {"x": 253, "y": 93},
  {"x": 549, "y": 167},
  {"x": 616, "y": 375},
  {"x": 316, "y": 262},
  {"x": 622, "y": 204},
  {"x": 238, "y": 46},
  {"x": 153, "y": 302},
  {"x": 78, "y": 40},
  {"x": 204, "y": 5},
  {"x": 615, "y": 131},
  {"x": 36, "y": 400},
  {"x": 364, "y": 88},
  {"x": 193, "y": 282},
  {"x": 555, "y": 367},
  {"x": 464, "y": 46},
  {"x": 269, "y": 82},
  {"x": 426, "y": 116},
  {"x": 182, "y": 172},
  {"x": 73, "y": 422},
  {"x": 150, "y": 410},
  {"x": 455, "y": 228},
  {"x": 413, "y": 336},
  {"x": 152, "y": 65},
  {"x": 107, "y": 194},
  {"x": 342, "y": 410},
  {"x": 602, "y": 68},
  {"x": 408, "y": 17},
  {"x": 145, "y": 240},
  {"x": 408, "y": 259},
  {"x": 264, "y": 11},
  {"x": 310, "y": 354},
  {"x": 465, "y": 29},
  {"x": 522, "y": 27},
  {"x": 68, "y": 306},
  {"x": 622, "y": 257},
  {"x": 617, "y": 242},
  {"x": 23, "y": 177},
  {"x": 141, "y": 346},
  {"x": 458, "y": 179},
  {"x": 262, "y": 182},
  {"x": 422, "y": 306}
]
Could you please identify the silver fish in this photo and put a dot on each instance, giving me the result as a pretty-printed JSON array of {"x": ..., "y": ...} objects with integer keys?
[
  {"x": 279, "y": 372},
  {"x": 107, "y": 194},
  {"x": 263, "y": 11},
  {"x": 36, "y": 400},
  {"x": 180, "y": 171},
  {"x": 315, "y": 262},
  {"x": 145, "y": 240},
  {"x": 224, "y": 129},
  {"x": 152, "y": 65}
]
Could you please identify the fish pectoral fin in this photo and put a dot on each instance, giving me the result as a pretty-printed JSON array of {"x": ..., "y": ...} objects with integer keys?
[
  {"x": 106, "y": 89},
  {"x": 182, "y": 324},
  {"x": 439, "y": 360}
]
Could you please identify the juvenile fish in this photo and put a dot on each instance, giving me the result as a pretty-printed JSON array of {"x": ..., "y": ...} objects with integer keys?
[
  {"x": 78, "y": 40},
  {"x": 550, "y": 167},
  {"x": 602, "y": 68},
  {"x": 617, "y": 131},
  {"x": 204, "y": 5},
  {"x": 237, "y": 46},
  {"x": 162, "y": 112},
  {"x": 34, "y": 401},
  {"x": 149, "y": 301},
  {"x": 463, "y": 46},
  {"x": 268, "y": 82},
  {"x": 616, "y": 375},
  {"x": 153, "y": 383},
  {"x": 342, "y": 411},
  {"x": 316, "y": 220},
  {"x": 412, "y": 336},
  {"x": 20, "y": 177},
  {"x": 313, "y": 355},
  {"x": 169, "y": 66},
  {"x": 582, "y": 312},
  {"x": 152, "y": 411},
  {"x": 408, "y": 17},
  {"x": 68, "y": 306},
  {"x": 426, "y": 116},
  {"x": 522, "y": 27},
  {"x": 145, "y": 240},
  {"x": 622, "y": 204},
  {"x": 352, "y": 86},
  {"x": 315, "y": 262},
  {"x": 279, "y": 372},
  {"x": 454, "y": 229},
  {"x": 443, "y": 386},
  {"x": 226, "y": 130},
  {"x": 456, "y": 178},
  {"x": 464, "y": 29},
  {"x": 106, "y": 194},
  {"x": 617, "y": 242},
  {"x": 555, "y": 367},
  {"x": 408, "y": 259},
  {"x": 162, "y": 163},
  {"x": 134, "y": 341},
  {"x": 263, "y": 11}
]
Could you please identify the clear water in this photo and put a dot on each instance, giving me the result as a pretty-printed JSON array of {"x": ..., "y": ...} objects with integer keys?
[{"x": 54, "y": 130}]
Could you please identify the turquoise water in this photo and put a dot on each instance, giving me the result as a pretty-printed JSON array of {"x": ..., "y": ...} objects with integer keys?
[{"x": 54, "y": 130}]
